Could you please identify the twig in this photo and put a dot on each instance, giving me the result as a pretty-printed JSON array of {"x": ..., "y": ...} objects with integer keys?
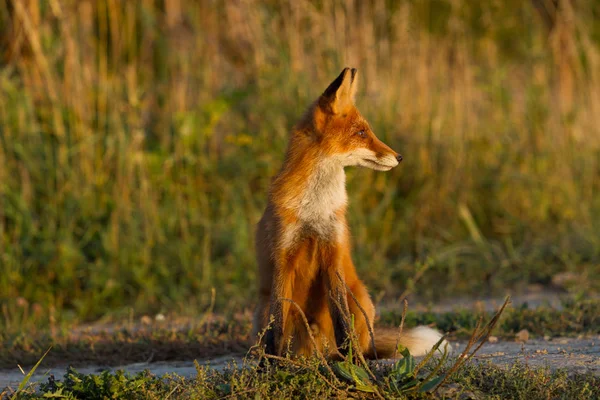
[
  {"x": 478, "y": 334},
  {"x": 235, "y": 395},
  {"x": 300, "y": 365},
  {"x": 173, "y": 391},
  {"x": 462, "y": 357},
  {"x": 310, "y": 335},
  {"x": 418, "y": 275},
  {"x": 284, "y": 359},
  {"x": 205, "y": 318},
  {"x": 430, "y": 354},
  {"x": 258, "y": 345},
  {"x": 491, "y": 325},
  {"x": 401, "y": 328},
  {"x": 364, "y": 313},
  {"x": 354, "y": 343},
  {"x": 354, "y": 340},
  {"x": 434, "y": 372}
]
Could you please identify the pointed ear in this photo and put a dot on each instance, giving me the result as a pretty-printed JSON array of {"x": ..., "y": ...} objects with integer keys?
[
  {"x": 353, "y": 84},
  {"x": 340, "y": 93}
]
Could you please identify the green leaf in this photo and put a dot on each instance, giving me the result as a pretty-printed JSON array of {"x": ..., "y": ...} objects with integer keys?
[
  {"x": 225, "y": 388},
  {"x": 431, "y": 384},
  {"x": 365, "y": 388},
  {"x": 408, "y": 385},
  {"x": 30, "y": 374},
  {"x": 362, "y": 383},
  {"x": 354, "y": 374},
  {"x": 405, "y": 352},
  {"x": 406, "y": 366}
]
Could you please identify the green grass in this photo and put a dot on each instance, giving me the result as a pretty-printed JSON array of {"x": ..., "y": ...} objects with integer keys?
[
  {"x": 573, "y": 319},
  {"x": 521, "y": 382},
  {"x": 309, "y": 381},
  {"x": 174, "y": 339},
  {"x": 187, "y": 338},
  {"x": 137, "y": 141},
  {"x": 304, "y": 378}
]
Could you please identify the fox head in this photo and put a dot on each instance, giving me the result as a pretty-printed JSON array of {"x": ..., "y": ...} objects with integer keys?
[{"x": 342, "y": 132}]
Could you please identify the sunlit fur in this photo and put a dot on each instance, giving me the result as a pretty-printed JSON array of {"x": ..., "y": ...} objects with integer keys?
[{"x": 303, "y": 241}]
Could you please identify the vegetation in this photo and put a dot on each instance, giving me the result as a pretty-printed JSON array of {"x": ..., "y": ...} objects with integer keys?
[
  {"x": 178, "y": 338},
  {"x": 573, "y": 319},
  {"x": 138, "y": 139},
  {"x": 309, "y": 381},
  {"x": 432, "y": 377}
]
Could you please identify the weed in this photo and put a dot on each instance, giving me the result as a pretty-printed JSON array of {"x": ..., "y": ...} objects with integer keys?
[
  {"x": 574, "y": 317},
  {"x": 138, "y": 139}
]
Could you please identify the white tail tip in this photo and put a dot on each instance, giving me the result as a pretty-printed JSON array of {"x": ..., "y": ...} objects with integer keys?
[{"x": 420, "y": 340}]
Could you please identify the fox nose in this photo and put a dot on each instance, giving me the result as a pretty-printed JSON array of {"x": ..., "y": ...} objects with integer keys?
[{"x": 399, "y": 157}]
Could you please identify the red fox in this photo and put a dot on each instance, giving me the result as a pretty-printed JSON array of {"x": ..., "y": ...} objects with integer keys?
[{"x": 303, "y": 241}]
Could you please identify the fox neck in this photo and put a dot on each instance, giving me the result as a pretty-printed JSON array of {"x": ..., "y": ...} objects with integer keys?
[
  {"x": 313, "y": 187},
  {"x": 324, "y": 193}
]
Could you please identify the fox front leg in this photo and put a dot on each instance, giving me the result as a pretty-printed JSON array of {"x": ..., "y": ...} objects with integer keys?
[
  {"x": 275, "y": 331},
  {"x": 337, "y": 299},
  {"x": 279, "y": 310},
  {"x": 338, "y": 309}
]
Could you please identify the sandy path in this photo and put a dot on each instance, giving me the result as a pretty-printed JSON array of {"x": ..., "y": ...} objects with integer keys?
[
  {"x": 186, "y": 369},
  {"x": 576, "y": 355}
]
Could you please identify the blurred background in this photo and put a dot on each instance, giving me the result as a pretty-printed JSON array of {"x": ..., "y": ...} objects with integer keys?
[{"x": 138, "y": 139}]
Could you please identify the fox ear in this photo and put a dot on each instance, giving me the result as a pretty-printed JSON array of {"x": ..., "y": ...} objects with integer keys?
[
  {"x": 340, "y": 93},
  {"x": 353, "y": 84}
]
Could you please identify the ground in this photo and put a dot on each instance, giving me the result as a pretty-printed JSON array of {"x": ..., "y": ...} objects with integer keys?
[
  {"x": 576, "y": 355},
  {"x": 556, "y": 339}
]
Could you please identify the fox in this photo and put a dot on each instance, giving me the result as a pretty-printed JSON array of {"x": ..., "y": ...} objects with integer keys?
[{"x": 307, "y": 282}]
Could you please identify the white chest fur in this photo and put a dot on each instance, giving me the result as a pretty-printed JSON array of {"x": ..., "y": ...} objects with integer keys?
[
  {"x": 324, "y": 194},
  {"x": 321, "y": 196}
]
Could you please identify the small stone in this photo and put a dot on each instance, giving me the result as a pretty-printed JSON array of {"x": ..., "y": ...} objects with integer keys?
[
  {"x": 547, "y": 338},
  {"x": 523, "y": 335},
  {"x": 493, "y": 339}
]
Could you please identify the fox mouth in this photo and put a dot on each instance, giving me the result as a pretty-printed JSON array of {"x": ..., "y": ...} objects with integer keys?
[{"x": 368, "y": 163}]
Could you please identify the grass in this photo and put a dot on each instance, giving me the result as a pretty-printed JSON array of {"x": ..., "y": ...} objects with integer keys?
[
  {"x": 114, "y": 344},
  {"x": 138, "y": 140},
  {"x": 184, "y": 338},
  {"x": 455, "y": 377},
  {"x": 576, "y": 317},
  {"x": 521, "y": 382},
  {"x": 307, "y": 381}
]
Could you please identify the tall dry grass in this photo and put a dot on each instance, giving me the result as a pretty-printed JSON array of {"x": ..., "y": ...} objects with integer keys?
[{"x": 137, "y": 140}]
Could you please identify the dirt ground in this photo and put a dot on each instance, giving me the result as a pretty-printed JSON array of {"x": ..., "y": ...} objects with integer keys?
[{"x": 580, "y": 355}]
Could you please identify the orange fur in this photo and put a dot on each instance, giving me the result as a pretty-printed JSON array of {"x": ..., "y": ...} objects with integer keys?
[{"x": 302, "y": 240}]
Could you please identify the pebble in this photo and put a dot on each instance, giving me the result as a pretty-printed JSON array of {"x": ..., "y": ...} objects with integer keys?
[{"x": 523, "y": 335}]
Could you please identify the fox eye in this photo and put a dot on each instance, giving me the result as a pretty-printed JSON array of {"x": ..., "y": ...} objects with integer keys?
[{"x": 362, "y": 134}]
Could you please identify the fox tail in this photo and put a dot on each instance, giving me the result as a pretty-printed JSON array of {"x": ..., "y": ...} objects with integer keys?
[{"x": 419, "y": 341}]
